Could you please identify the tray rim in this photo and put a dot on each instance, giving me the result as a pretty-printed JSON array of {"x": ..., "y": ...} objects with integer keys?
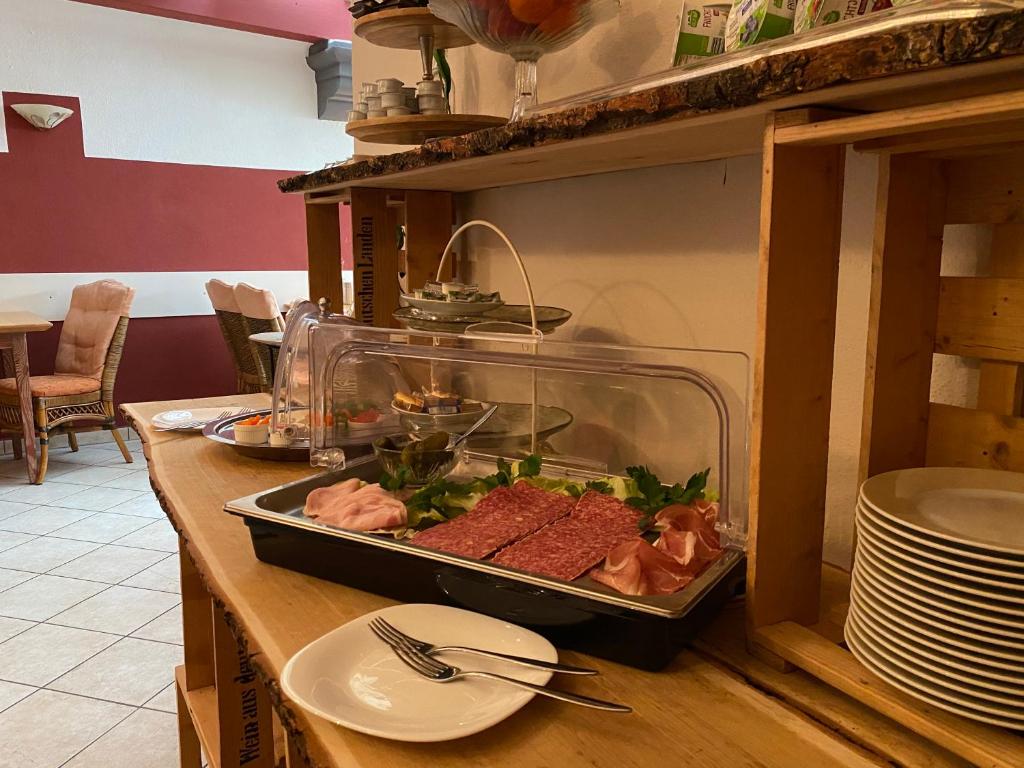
[{"x": 247, "y": 507}]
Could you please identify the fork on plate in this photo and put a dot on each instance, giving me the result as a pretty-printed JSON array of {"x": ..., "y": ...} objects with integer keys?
[
  {"x": 439, "y": 672},
  {"x": 423, "y": 646},
  {"x": 197, "y": 423}
]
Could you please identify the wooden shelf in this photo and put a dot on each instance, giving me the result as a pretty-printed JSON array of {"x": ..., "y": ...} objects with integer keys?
[
  {"x": 402, "y": 28},
  {"x": 202, "y": 708},
  {"x": 620, "y": 135},
  {"x": 416, "y": 129}
]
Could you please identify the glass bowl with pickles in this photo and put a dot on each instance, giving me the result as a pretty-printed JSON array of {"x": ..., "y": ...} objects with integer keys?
[{"x": 418, "y": 460}]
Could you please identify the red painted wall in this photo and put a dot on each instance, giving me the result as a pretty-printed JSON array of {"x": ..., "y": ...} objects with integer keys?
[
  {"x": 308, "y": 20},
  {"x": 63, "y": 212}
]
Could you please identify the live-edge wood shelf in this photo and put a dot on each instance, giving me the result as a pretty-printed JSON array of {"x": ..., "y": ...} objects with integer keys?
[{"x": 716, "y": 115}]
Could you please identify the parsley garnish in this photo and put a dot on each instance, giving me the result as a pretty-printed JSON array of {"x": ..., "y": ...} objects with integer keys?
[{"x": 654, "y": 496}]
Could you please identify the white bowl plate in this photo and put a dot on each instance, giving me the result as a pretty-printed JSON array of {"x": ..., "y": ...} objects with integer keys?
[
  {"x": 940, "y": 696},
  {"x": 937, "y": 614},
  {"x": 907, "y": 556},
  {"x": 353, "y": 679},
  {"x": 1006, "y": 688},
  {"x": 980, "y": 508},
  {"x": 921, "y": 592},
  {"x": 928, "y": 631},
  {"x": 934, "y": 549}
]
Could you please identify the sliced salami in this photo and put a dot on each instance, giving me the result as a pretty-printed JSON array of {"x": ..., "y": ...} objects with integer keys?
[
  {"x": 503, "y": 516},
  {"x": 568, "y": 548}
]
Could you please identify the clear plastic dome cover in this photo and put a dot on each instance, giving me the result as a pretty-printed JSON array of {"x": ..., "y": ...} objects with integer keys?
[{"x": 585, "y": 409}]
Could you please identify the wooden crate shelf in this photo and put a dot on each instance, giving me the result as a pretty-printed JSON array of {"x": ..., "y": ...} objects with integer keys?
[{"x": 202, "y": 709}]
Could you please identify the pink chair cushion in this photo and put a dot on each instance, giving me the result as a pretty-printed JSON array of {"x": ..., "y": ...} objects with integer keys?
[
  {"x": 256, "y": 302},
  {"x": 89, "y": 326},
  {"x": 58, "y": 385},
  {"x": 222, "y": 296}
]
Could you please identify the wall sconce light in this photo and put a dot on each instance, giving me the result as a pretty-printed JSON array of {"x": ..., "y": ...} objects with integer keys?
[{"x": 43, "y": 116}]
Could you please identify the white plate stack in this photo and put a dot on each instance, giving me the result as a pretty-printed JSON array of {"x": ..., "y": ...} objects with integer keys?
[{"x": 937, "y": 601}]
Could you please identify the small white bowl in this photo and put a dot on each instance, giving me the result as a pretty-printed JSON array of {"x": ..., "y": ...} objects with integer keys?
[
  {"x": 389, "y": 85},
  {"x": 392, "y": 99},
  {"x": 280, "y": 440},
  {"x": 430, "y": 102},
  {"x": 252, "y": 434},
  {"x": 429, "y": 88}
]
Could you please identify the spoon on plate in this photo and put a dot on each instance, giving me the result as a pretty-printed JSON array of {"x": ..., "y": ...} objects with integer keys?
[{"x": 479, "y": 423}]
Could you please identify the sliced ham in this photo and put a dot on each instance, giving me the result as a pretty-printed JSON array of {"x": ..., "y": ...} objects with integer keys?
[
  {"x": 687, "y": 544},
  {"x": 637, "y": 568},
  {"x": 356, "y": 507},
  {"x": 688, "y": 532}
]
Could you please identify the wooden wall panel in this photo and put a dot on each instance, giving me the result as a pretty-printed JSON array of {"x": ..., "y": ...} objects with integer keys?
[
  {"x": 964, "y": 437},
  {"x": 981, "y": 317},
  {"x": 901, "y": 325},
  {"x": 801, "y": 218},
  {"x": 323, "y": 239},
  {"x": 986, "y": 190}
]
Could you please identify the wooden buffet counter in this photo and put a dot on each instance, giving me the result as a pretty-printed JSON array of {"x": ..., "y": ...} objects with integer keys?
[{"x": 244, "y": 620}]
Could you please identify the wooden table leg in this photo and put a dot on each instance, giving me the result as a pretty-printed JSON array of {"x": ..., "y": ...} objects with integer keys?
[{"x": 19, "y": 347}]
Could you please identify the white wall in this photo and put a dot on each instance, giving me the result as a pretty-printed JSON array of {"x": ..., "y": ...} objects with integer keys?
[
  {"x": 170, "y": 91},
  {"x": 666, "y": 256}
]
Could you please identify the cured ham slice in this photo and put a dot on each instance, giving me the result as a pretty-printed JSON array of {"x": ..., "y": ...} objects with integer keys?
[
  {"x": 688, "y": 533},
  {"x": 687, "y": 544},
  {"x": 503, "y": 516},
  {"x": 568, "y": 548},
  {"x": 356, "y": 507},
  {"x": 637, "y": 568}
]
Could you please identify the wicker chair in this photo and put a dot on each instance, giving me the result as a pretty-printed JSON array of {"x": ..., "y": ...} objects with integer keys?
[
  {"x": 260, "y": 314},
  {"x": 71, "y": 400},
  {"x": 233, "y": 328}
]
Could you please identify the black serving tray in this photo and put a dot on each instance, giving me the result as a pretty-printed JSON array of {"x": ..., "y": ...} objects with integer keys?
[{"x": 643, "y": 632}]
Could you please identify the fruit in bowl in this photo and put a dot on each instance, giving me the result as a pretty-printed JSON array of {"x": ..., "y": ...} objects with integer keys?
[{"x": 525, "y": 30}]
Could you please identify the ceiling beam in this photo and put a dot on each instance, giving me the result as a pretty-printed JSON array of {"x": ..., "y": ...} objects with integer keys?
[{"x": 306, "y": 20}]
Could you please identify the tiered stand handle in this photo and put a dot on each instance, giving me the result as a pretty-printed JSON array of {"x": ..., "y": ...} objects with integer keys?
[{"x": 537, "y": 336}]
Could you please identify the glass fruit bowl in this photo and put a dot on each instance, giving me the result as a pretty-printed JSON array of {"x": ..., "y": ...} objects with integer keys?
[{"x": 525, "y": 30}]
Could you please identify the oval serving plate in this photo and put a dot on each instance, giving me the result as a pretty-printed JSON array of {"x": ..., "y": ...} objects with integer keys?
[
  {"x": 548, "y": 318},
  {"x": 458, "y": 308},
  {"x": 223, "y": 431},
  {"x": 351, "y": 678}
]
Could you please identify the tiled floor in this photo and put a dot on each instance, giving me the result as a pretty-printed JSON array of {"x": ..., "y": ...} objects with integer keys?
[{"x": 90, "y": 615}]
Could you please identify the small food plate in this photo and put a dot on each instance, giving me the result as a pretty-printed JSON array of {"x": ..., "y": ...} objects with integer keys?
[
  {"x": 223, "y": 431},
  {"x": 173, "y": 419},
  {"x": 351, "y": 678},
  {"x": 449, "y": 422},
  {"x": 457, "y": 308}
]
